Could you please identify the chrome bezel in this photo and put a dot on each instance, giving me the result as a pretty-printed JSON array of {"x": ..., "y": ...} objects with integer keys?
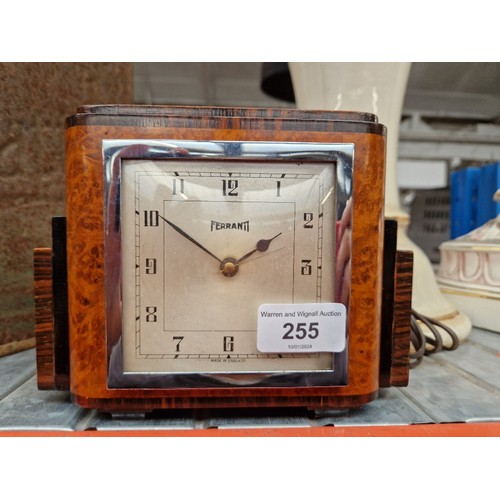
[{"x": 114, "y": 151}]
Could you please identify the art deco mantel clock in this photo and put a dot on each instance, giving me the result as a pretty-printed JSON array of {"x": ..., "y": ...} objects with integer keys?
[{"x": 222, "y": 257}]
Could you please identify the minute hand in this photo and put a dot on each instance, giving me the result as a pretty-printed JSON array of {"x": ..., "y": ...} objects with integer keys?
[{"x": 192, "y": 240}]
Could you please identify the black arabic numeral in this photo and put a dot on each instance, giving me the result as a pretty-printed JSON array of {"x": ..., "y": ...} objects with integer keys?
[
  {"x": 228, "y": 344},
  {"x": 306, "y": 269},
  {"x": 178, "y": 345},
  {"x": 308, "y": 218},
  {"x": 151, "y": 316},
  {"x": 302, "y": 330},
  {"x": 229, "y": 187},
  {"x": 313, "y": 330},
  {"x": 151, "y": 218},
  {"x": 150, "y": 266},
  {"x": 288, "y": 333}
]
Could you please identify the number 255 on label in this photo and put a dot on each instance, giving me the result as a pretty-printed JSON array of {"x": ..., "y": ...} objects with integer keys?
[{"x": 301, "y": 327}]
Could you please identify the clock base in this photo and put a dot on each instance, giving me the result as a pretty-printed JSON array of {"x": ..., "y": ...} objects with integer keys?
[{"x": 315, "y": 404}]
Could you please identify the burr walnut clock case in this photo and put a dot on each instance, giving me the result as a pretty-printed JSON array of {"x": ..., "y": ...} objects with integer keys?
[{"x": 222, "y": 257}]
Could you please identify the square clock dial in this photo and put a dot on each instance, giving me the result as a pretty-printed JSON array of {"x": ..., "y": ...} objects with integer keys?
[{"x": 203, "y": 244}]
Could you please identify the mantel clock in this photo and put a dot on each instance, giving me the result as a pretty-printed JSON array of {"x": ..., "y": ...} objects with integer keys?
[{"x": 222, "y": 257}]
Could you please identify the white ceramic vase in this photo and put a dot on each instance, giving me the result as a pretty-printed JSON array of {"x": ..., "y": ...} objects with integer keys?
[{"x": 379, "y": 88}]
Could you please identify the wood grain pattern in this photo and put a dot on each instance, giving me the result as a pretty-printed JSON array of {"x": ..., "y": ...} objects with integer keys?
[
  {"x": 44, "y": 318},
  {"x": 396, "y": 315},
  {"x": 400, "y": 371},
  {"x": 50, "y": 337},
  {"x": 92, "y": 115},
  {"x": 85, "y": 232}
]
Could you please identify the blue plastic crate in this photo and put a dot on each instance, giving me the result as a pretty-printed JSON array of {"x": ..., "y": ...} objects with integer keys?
[{"x": 463, "y": 200}]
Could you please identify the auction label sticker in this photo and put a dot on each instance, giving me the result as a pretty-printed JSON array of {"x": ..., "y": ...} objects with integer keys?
[{"x": 299, "y": 328}]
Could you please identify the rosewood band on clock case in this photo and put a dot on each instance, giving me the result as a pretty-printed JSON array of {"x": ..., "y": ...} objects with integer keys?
[{"x": 73, "y": 344}]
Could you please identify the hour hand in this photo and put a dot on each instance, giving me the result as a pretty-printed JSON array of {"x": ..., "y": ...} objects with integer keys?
[
  {"x": 262, "y": 246},
  {"x": 190, "y": 238}
]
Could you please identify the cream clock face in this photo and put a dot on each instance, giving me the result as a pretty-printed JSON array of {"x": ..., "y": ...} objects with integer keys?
[
  {"x": 204, "y": 244},
  {"x": 207, "y": 245}
]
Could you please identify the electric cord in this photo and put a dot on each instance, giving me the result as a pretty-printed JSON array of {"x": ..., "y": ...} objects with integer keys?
[{"x": 423, "y": 343}]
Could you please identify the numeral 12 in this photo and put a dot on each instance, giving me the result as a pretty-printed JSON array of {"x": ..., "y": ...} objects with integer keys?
[{"x": 229, "y": 187}]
